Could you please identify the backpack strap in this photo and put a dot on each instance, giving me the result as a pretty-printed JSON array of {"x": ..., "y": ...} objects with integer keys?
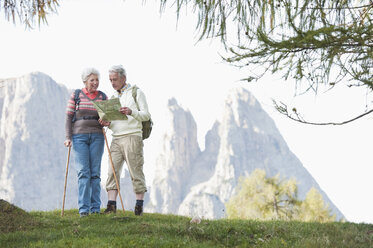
[
  {"x": 103, "y": 95},
  {"x": 77, "y": 102},
  {"x": 134, "y": 95},
  {"x": 146, "y": 125}
]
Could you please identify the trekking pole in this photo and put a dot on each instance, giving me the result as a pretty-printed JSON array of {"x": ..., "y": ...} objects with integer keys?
[
  {"x": 64, "y": 189},
  {"x": 112, "y": 167}
]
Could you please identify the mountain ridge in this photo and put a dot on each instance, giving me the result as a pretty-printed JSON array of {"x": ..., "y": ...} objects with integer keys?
[
  {"x": 188, "y": 180},
  {"x": 245, "y": 138}
]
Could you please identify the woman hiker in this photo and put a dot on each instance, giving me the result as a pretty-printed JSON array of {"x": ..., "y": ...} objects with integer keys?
[{"x": 84, "y": 134}]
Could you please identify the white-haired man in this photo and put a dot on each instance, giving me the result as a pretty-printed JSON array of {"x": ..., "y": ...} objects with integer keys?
[{"x": 127, "y": 144}]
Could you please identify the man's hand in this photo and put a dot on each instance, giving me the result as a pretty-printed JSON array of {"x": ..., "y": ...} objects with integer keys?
[
  {"x": 104, "y": 123},
  {"x": 67, "y": 143},
  {"x": 125, "y": 110}
]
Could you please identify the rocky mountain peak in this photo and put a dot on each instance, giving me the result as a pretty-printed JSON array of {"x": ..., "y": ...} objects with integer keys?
[
  {"x": 175, "y": 162},
  {"x": 32, "y": 164},
  {"x": 244, "y": 139}
]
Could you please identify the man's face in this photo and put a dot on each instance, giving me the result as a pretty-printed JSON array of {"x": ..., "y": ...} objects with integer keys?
[{"x": 116, "y": 81}]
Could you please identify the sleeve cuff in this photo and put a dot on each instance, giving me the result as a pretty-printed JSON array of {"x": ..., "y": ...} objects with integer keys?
[{"x": 135, "y": 113}]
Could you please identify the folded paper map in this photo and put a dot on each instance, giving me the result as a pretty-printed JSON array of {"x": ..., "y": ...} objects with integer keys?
[{"x": 108, "y": 110}]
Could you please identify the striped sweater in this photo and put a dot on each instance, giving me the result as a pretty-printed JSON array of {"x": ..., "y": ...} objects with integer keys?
[{"x": 86, "y": 108}]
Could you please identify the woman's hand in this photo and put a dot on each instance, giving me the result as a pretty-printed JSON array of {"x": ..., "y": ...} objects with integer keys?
[
  {"x": 104, "y": 123},
  {"x": 68, "y": 143}
]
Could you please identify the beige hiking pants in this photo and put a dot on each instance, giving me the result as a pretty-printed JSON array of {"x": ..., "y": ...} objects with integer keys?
[{"x": 128, "y": 148}]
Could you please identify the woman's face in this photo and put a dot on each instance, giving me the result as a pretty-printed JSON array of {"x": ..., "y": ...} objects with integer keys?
[{"x": 92, "y": 83}]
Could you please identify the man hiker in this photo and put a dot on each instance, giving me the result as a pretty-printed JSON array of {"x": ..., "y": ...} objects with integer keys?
[{"x": 127, "y": 143}]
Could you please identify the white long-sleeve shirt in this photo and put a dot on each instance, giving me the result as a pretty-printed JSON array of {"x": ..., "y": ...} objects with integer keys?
[{"x": 133, "y": 125}]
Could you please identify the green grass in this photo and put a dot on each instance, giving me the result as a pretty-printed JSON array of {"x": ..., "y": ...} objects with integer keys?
[{"x": 49, "y": 229}]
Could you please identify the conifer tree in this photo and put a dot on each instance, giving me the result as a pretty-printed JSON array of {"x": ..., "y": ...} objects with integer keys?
[
  {"x": 26, "y": 11},
  {"x": 259, "y": 197},
  {"x": 313, "y": 208},
  {"x": 315, "y": 42},
  {"x": 270, "y": 198},
  {"x": 302, "y": 38}
]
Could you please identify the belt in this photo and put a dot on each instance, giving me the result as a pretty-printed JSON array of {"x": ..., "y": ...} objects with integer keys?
[{"x": 87, "y": 118}]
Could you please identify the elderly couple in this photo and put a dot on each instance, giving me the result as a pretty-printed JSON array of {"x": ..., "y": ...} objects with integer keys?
[{"x": 84, "y": 133}]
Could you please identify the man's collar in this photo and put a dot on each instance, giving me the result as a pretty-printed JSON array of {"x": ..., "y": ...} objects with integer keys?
[{"x": 124, "y": 88}]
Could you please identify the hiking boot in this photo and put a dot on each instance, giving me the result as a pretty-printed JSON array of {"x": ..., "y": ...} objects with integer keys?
[
  {"x": 85, "y": 214},
  {"x": 138, "y": 210},
  {"x": 110, "y": 209}
]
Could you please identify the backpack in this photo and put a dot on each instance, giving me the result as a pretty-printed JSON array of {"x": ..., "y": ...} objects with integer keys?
[
  {"x": 146, "y": 125},
  {"x": 77, "y": 101}
]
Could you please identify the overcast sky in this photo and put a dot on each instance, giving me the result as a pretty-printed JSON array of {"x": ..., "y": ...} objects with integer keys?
[{"x": 165, "y": 61}]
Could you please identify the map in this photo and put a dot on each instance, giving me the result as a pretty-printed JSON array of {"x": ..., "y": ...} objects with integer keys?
[{"x": 108, "y": 110}]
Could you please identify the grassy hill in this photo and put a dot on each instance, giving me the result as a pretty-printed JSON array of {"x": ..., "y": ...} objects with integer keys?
[{"x": 48, "y": 229}]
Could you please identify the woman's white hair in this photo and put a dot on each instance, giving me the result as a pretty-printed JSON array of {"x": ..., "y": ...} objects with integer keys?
[
  {"x": 118, "y": 69},
  {"x": 88, "y": 72}
]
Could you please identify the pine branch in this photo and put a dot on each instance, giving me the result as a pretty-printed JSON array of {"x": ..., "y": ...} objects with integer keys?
[{"x": 295, "y": 116}]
